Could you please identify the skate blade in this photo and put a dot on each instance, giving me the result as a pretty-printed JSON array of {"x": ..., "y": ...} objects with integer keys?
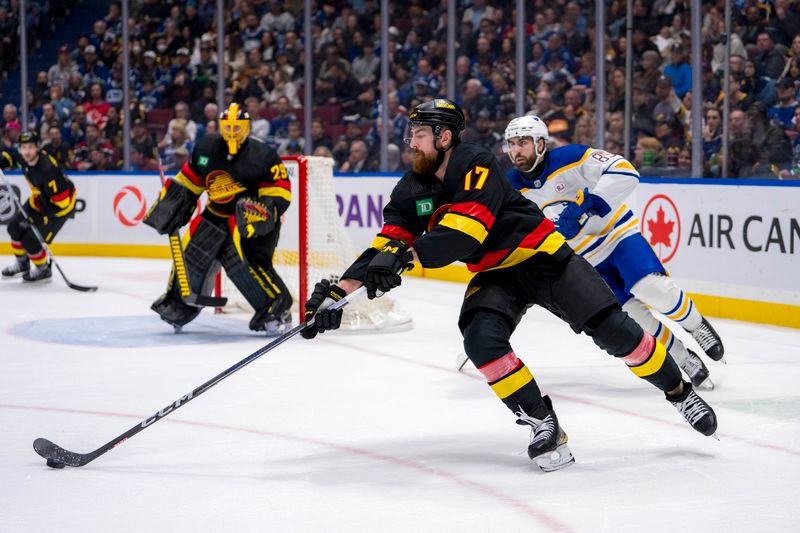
[
  {"x": 715, "y": 436},
  {"x": 723, "y": 361},
  {"x": 557, "y": 459},
  {"x": 707, "y": 384}
]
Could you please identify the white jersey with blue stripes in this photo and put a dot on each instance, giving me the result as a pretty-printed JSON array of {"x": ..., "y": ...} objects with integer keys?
[{"x": 572, "y": 168}]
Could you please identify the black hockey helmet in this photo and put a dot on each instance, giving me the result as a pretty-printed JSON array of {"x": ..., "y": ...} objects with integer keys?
[
  {"x": 439, "y": 114},
  {"x": 29, "y": 137}
]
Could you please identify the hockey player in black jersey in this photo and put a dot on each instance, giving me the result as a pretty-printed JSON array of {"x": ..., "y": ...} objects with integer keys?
[
  {"x": 248, "y": 191},
  {"x": 51, "y": 204},
  {"x": 455, "y": 205}
]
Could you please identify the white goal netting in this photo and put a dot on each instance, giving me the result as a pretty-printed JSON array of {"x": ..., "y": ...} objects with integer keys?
[{"x": 313, "y": 219}]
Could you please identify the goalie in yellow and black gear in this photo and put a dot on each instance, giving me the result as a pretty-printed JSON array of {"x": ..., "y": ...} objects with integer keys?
[{"x": 248, "y": 191}]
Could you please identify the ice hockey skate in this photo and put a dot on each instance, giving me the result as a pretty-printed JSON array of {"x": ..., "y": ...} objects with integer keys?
[
  {"x": 695, "y": 410},
  {"x": 697, "y": 371},
  {"x": 709, "y": 341},
  {"x": 20, "y": 266},
  {"x": 548, "y": 447},
  {"x": 272, "y": 325},
  {"x": 38, "y": 274}
]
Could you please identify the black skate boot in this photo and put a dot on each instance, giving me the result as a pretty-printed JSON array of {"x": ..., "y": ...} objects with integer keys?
[
  {"x": 271, "y": 324},
  {"x": 695, "y": 410},
  {"x": 709, "y": 341},
  {"x": 548, "y": 447},
  {"x": 38, "y": 274},
  {"x": 697, "y": 371},
  {"x": 20, "y": 266}
]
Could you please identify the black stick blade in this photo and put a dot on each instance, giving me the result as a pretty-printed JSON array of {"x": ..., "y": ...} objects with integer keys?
[{"x": 57, "y": 456}]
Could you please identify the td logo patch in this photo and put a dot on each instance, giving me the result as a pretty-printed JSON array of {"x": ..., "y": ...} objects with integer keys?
[
  {"x": 202, "y": 161},
  {"x": 425, "y": 207}
]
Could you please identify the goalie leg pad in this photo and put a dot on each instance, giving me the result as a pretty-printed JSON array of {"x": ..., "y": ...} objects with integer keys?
[
  {"x": 205, "y": 240},
  {"x": 486, "y": 341},
  {"x": 662, "y": 294},
  {"x": 173, "y": 311},
  {"x": 173, "y": 209}
]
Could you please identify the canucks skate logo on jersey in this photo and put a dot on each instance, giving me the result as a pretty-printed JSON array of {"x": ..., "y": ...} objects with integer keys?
[{"x": 221, "y": 187}]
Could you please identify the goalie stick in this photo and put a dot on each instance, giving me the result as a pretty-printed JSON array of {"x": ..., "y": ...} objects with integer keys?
[
  {"x": 58, "y": 457},
  {"x": 74, "y": 286},
  {"x": 175, "y": 248}
]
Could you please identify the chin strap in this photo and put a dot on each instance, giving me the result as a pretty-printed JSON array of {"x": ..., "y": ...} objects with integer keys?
[{"x": 441, "y": 152}]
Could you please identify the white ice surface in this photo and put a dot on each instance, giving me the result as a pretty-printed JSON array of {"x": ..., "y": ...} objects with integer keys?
[{"x": 368, "y": 433}]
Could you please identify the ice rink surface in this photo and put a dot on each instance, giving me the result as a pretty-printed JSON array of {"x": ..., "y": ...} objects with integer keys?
[{"x": 368, "y": 432}]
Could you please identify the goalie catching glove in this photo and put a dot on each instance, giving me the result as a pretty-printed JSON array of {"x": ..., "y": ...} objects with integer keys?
[
  {"x": 318, "y": 317},
  {"x": 255, "y": 218},
  {"x": 383, "y": 272},
  {"x": 574, "y": 216}
]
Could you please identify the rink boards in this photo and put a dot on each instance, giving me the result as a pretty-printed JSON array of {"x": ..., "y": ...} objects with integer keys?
[{"x": 734, "y": 245}]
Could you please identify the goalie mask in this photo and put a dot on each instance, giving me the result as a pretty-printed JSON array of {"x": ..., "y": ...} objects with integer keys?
[
  {"x": 527, "y": 126},
  {"x": 234, "y": 126}
]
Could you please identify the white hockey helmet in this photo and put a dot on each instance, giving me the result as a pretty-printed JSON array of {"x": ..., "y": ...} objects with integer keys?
[{"x": 527, "y": 126}]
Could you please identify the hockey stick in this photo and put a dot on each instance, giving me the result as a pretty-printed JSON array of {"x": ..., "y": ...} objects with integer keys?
[
  {"x": 75, "y": 286},
  {"x": 58, "y": 457},
  {"x": 175, "y": 248}
]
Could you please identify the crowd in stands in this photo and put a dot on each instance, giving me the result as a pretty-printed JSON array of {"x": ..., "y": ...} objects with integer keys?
[{"x": 75, "y": 105}]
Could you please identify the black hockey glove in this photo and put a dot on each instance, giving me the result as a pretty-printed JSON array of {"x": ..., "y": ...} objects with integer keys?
[
  {"x": 318, "y": 317},
  {"x": 383, "y": 272},
  {"x": 255, "y": 218}
]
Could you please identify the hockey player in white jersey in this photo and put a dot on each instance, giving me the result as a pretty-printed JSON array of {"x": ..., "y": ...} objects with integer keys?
[{"x": 583, "y": 191}]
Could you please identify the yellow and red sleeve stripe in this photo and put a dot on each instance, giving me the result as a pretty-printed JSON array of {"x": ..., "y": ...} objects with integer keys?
[
  {"x": 543, "y": 238},
  {"x": 64, "y": 201},
  {"x": 470, "y": 218},
  {"x": 389, "y": 232},
  {"x": 276, "y": 189},
  {"x": 190, "y": 179}
]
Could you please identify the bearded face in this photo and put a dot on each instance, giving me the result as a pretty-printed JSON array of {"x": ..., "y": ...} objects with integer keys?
[{"x": 423, "y": 163}]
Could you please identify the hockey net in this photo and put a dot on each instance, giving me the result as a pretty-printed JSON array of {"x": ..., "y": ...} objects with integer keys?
[{"x": 314, "y": 245}]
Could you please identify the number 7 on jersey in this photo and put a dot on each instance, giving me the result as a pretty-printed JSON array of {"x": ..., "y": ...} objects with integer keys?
[{"x": 480, "y": 173}]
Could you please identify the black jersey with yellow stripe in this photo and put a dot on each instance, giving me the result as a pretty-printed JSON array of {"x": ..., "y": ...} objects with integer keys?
[
  {"x": 52, "y": 191},
  {"x": 474, "y": 215},
  {"x": 256, "y": 171}
]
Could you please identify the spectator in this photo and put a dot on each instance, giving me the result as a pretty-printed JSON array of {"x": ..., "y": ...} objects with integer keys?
[
  {"x": 10, "y": 137},
  {"x": 679, "y": 71},
  {"x": 712, "y": 133},
  {"x": 792, "y": 57},
  {"x": 295, "y": 137},
  {"x": 92, "y": 70},
  {"x": 183, "y": 118},
  {"x": 279, "y": 125},
  {"x": 49, "y": 119},
  {"x": 178, "y": 139},
  {"x": 478, "y": 11},
  {"x": 283, "y": 86},
  {"x": 277, "y": 20},
  {"x": 319, "y": 136},
  {"x": 142, "y": 160},
  {"x": 738, "y": 127},
  {"x": 770, "y": 139},
  {"x": 717, "y": 37},
  {"x": 83, "y": 158},
  {"x": 180, "y": 158},
  {"x": 345, "y": 89},
  {"x": 57, "y": 148},
  {"x": 75, "y": 131},
  {"x": 485, "y": 135},
  {"x": 585, "y": 130},
  {"x": 357, "y": 158},
  {"x": 794, "y": 135},
  {"x": 96, "y": 107},
  {"x": 748, "y": 162},
  {"x": 648, "y": 154},
  {"x": 141, "y": 137},
  {"x": 365, "y": 66},
  {"x": 63, "y": 69},
  {"x": 259, "y": 126},
  {"x": 9, "y": 115},
  {"x": 783, "y": 111},
  {"x": 785, "y": 22},
  {"x": 770, "y": 62},
  {"x": 669, "y": 106}
]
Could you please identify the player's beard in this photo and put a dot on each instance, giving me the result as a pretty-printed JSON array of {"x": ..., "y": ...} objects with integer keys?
[
  {"x": 524, "y": 164},
  {"x": 423, "y": 163}
]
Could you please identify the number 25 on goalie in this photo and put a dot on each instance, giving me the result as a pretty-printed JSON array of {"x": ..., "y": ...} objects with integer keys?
[
  {"x": 278, "y": 172},
  {"x": 480, "y": 173}
]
